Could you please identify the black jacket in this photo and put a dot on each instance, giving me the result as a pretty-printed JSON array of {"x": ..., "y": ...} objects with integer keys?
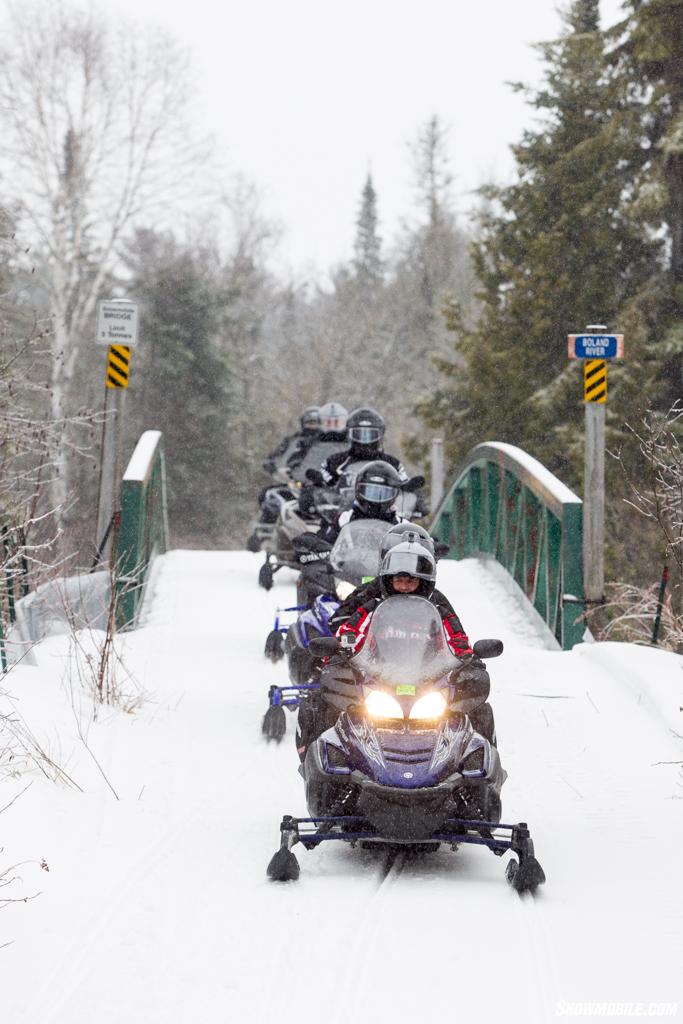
[
  {"x": 304, "y": 443},
  {"x": 333, "y": 468},
  {"x": 330, "y": 531}
]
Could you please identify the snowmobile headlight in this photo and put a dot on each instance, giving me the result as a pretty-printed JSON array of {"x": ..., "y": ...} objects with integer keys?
[
  {"x": 432, "y": 705},
  {"x": 344, "y": 589},
  {"x": 383, "y": 705}
]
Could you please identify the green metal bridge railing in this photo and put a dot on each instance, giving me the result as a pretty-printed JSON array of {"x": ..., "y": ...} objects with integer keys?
[
  {"x": 505, "y": 505},
  {"x": 142, "y": 532}
]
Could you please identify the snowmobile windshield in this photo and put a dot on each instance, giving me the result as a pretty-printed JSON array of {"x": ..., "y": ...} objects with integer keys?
[
  {"x": 405, "y": 643},
  {"x": 405, "y": 504},
  {"x": 327, "y": 504},
  {"x": 355, "y": 554},
  {"x": 316, "y": 455},
  {"x": 347, "y": 483}
]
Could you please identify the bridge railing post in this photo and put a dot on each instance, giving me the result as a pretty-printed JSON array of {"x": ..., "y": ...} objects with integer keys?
[{"x": 143, "y": 529}]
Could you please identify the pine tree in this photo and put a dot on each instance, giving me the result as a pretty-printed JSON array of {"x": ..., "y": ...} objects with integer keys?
[
  {"x": 555, "y": 252},
  {"x": 367, "y": 247},
  {"x": 648, "y": 56},
  {"x": 181, "y": 384},
  {"x": 432, "y": 171},
  {"x": 432, "y": 249},
  {"x": 584, "y": 16}
]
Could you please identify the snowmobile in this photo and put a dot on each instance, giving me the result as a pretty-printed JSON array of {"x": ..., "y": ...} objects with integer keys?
[
  {"x": 263, "y": 528},
  {"x": 271, "y": 497},
  {"x": 318, "y": 453},
  {"x": 290, "y": 523},
  {"x": 392, "y": 759},
  {"x": 316, "y": 579},
  {"x": 329, "y": 574},
  {"x": 278, "y": 546},
  {"x": 281, "y": 547}
]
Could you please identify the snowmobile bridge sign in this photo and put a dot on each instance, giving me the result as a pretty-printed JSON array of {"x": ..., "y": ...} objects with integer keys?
[
  {"x": 596, "y": 346},
  {"x": 117, "y": 322}
]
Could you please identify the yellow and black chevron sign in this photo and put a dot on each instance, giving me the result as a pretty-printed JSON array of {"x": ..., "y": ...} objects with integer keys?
[
  {"x": 118, "y": 366},
  {"x": 595, "y": 380}
]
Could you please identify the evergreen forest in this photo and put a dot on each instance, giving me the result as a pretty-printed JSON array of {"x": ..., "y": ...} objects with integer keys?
[{"x": 457, "y": 329}]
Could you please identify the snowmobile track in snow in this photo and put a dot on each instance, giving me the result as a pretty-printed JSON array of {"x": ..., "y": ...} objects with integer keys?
[{"x": 158, "y": 910}]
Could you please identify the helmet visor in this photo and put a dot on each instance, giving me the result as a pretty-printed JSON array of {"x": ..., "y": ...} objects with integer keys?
[
  {"x": 378, "y": 494},
  {"x": 365, "y": 435},
  {"x": 407, "y": 563}
]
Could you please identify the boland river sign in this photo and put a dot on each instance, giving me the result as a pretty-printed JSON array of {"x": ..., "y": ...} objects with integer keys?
[
  {"x": 596, "y": 346},
  {"x": 117, "y": 322}
]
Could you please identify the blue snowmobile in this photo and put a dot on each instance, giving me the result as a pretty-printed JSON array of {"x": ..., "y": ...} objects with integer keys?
[
  {"x": 391, "y": 757},
  {"x": 329, "y": 574}
]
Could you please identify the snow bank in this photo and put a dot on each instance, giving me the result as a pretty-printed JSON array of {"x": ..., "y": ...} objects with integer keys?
[{"x": 156, "y": 907}]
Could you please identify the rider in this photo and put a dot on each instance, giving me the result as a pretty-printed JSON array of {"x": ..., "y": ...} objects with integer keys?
[
  {"x": 368, "y": 595},
  {"x": 269, "y": 506},
  {"x": 376, "y": 489},
  {"x": 365, "y": 433},
  {"x": 409, "y": 568},
  {"x": 311, "y": 433},
  {"x": 333, "y": 419},
  {"x": 309, "y": 430}
]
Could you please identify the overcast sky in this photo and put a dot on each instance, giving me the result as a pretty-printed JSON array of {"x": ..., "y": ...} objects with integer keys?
[{"x": 306, "y": 96}]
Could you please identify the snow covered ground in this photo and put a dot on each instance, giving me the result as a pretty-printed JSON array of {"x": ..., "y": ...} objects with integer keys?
[{"x": 156, "y": 906}]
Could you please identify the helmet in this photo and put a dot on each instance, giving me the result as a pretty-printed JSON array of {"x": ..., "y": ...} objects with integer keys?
[
  {"x": 377, "y": 487},
  {"x": 408, "y": 559},
  {"x": 332, "y": 416},
  {"x": 405, "y": 531},
  {"x": 310, "y": 418},
  {"x": 365, "y": 428}
]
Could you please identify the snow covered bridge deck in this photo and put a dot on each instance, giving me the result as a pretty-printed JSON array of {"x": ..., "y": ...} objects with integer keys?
[{"x": 156, "y": 906}]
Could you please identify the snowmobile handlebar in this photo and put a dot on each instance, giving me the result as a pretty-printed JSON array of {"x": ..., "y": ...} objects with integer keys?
[{"x": 324, "y": 646}]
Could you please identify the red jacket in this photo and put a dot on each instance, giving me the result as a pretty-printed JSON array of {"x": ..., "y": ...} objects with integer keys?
[{"x": 357, "y": 625}]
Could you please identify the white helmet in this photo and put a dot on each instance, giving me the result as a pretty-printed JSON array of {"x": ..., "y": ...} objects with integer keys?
[{"x": 332, "y": 416}]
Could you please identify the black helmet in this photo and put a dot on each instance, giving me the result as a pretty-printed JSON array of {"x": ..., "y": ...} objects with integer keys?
[
  {"x": 333, "y": 416},
  {"x": 377, "y": 487},
  {"x": 405, "y": 531},
  {"x": 365, "y": 428},
  {"x": 310, "y": 418},
  {"x": 408, "y": 559}
]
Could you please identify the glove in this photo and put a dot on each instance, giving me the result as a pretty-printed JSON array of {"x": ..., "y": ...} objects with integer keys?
[{"x": 472, "y": 684}]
